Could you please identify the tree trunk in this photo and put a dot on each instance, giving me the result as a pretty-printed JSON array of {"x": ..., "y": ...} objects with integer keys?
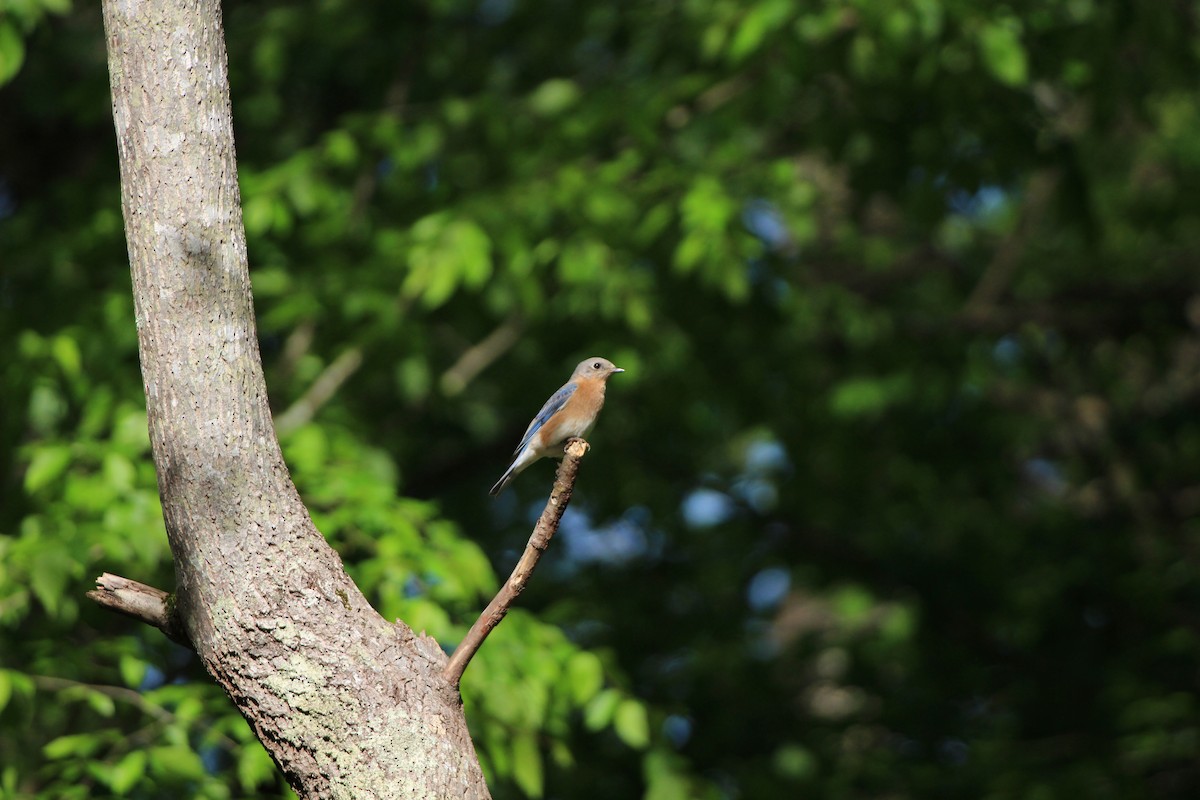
[{"x": 348, "y": 704}]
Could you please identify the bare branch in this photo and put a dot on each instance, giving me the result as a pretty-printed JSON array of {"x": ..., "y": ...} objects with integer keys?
[
  {"x": 543, "y": 531},
  {"x": 151, "y": 606},
  {"x": 296, "y": 346}
]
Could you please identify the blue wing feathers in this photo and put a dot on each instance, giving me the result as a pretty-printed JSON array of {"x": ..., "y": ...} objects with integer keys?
[{"x": 552, "y": 407}]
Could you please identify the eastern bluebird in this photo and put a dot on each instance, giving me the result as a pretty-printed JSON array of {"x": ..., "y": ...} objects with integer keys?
[{"x": 570, "y": 412}]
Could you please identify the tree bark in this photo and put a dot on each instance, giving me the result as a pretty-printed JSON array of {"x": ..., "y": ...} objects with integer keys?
[{"x": 348, "y": 704}]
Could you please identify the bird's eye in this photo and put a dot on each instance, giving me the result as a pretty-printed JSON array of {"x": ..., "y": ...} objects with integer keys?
[{"x": 596, "y": 365}]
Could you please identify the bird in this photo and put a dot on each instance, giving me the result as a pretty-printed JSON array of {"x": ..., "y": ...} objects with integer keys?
[{"x": 569, "y": 413}]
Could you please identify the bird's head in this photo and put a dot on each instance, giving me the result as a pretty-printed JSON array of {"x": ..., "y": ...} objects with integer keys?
[{"x": 596, "y": 367}]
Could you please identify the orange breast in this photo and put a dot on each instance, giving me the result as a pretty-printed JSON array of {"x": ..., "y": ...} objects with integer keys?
[{"x": 578, "y": 416}]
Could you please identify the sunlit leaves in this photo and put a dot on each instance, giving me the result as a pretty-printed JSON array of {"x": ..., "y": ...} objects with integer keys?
[
  {"x": 708, "y": 246},
  {"x": 601, "y": 709},
  {"x": 48, "y": 565},
  {"x": 47, "y": 464},
  {"x": 12, "y": 51},
  {"x": 527, "y": 764},
  {"x": 554, "y": 97},
  {"x": 528, "y": 677},
  {"x": 763, "y": 18},
  {"x": 631, "y": 724},
  {"x": 73, "y": 745},
  {"x": 446, "y": 253},
  {"x": 1003, "y": 53},
  {"x": 794, "y": 761},
  {"x": 254, "y": 767},
  {"x": 858, "y": 397},
  {"x": 177, "y": 763},
  {"x": 667, "y": 778},
  {"x": 582, "y": 259},
  {"x": 180, "y": 719},
  {"x": 133, "y": 670},
  {"x": 126, "y": 773},
  {"x": 585, "y": 675}
]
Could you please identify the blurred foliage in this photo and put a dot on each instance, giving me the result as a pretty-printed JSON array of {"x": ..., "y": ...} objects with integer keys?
[{"x": 897, "y": 498}]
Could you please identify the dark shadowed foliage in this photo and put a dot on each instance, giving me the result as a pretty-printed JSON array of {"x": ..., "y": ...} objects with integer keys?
[{"x": 898, "y": 496}]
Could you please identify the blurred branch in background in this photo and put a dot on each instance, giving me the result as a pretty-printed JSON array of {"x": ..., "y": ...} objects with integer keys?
[
  {"x": 480, "y": 356},
  {"x": 1009, "y": 253},
  {"x": 320, "y": 392}
]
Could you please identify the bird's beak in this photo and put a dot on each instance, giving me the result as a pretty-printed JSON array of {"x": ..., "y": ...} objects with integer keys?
[{"x": 616, "y": 370}]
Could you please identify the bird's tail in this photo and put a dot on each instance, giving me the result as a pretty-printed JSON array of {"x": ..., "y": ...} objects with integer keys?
[{"x": 508, "y": 475}]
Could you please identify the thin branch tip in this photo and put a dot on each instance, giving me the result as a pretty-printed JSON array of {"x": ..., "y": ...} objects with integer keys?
[{"x": 539, "y": 540}]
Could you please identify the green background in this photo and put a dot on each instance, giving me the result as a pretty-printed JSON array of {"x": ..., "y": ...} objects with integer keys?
[{"x": 899, "y": 496}]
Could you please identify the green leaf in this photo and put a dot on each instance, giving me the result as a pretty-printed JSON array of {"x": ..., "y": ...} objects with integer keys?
[
  {"x": 585, "y": 675},
  {"x": 853, "y": 604},
  {"x": 100, "y": 770},
  {"x": 258, "y": 212},
  {"x": 131, "y": 430},
  {"x": 794, "y": 762},
  {"x": 341, "y": 148},
  {"x": 1003, "y": 54},
  {"x": 496, "y": 741},
  {"x": 583, "y": 260},
  {"x": 898, "y": 625},
  {"x": 664, "y": 777},
  {"x": 5, "y": 688},
  {"x": 599, "y": 711},
  {"x": 692, "y": 250},
  {"x": 864, "y": 55},
  {"x": 270, "y": 282},
  {"x": 176, "y": 763},
  {"x": 12, "y": 51},
  {"x": 632, "y": 724},
  {"x": 189, "y": 709},
  {"x": 763, "y": 19},
  {"x": 707, "y": 206},
  {"x": 66, "y": 352},
  {"x": 48, "y": 463},
  {"x": 133, "y": 670},
  {"x": 52, "y": 566},
  {"x": 554, "y": 97},
  {"x": 254, "y": 767},
  {"x": 125, "y": 774},
  {"x": 561, "y": 754},
  {"x": 527, "y": 764},
  {"x": 444, "y": 253},
  {"x": 119, "y": 472},
  {"x": 79, "y": 744},
  {"x": 473, "y": 248},
  {"x": 46, "y": 408},
  {"x": 101, "y": 703},
  {"x": 860, "y": 397}
]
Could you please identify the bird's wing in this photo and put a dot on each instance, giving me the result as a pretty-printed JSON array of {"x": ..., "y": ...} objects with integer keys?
[{"x": 552, "y": 407}]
